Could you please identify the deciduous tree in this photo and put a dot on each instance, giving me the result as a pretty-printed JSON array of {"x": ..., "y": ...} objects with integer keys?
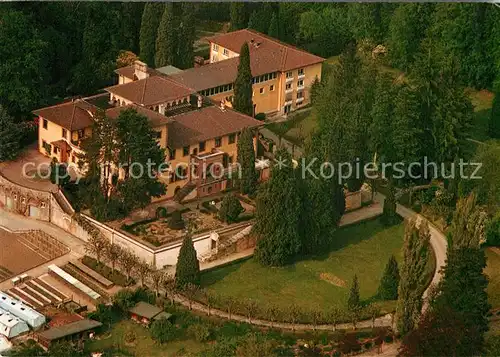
[{"x": 10, "y": 132}]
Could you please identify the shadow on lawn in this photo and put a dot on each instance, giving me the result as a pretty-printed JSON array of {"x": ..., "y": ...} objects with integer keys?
[{"x": 345, "y": 236}]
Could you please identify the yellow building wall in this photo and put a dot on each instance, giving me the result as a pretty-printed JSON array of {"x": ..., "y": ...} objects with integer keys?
[
  {"x": 216, "y": 56},
  {"x": 49, "y": 135}
]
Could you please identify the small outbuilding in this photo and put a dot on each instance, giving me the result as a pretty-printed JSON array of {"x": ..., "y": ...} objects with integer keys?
[
  {"x": 147, "y": 313},
  {"x": 74, "y": 330}
]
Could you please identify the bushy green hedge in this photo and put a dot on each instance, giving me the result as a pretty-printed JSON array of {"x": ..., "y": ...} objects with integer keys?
[{"x": 117, "y": 277}]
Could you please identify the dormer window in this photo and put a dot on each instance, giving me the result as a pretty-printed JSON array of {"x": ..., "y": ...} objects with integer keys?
[{"x": 226, "y": 52}]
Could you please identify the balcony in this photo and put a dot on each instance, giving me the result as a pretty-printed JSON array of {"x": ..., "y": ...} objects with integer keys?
[
  {"x": 290, "y": 90},
  {"x": 288, "y": 79},
  {"x": 302, "y": 87},
  {"x": 299, "y": 100},
  {"x": 301, "y": 76}
]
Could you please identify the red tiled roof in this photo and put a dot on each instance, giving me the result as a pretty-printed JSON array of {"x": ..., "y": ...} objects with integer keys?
[
  {"x": 156, "y": 119},
  {"x": 273, "y": 55},
  {"x": 206, "y": 123},
  {"x": 150, "y": 91},
  {"x": 74, "y": 115},
  {"x": 210, "y": 75}
]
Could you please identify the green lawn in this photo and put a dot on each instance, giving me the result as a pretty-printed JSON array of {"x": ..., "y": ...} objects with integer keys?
[
  {"x": 318, "y": 282},
  {"x": 143, "y": 345}
]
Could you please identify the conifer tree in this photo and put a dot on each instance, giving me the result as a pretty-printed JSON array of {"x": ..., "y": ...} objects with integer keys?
[
  {"x": 187, "y": 270},
  {"x": 246, "y": 159},
  {"x": 389, "y": 215},
  {"x": 273, "y": 30},
  {"x": 230, "y": 209},
  {"x": 238, "y": 16},
  {"x": 243, "y": 84},
  {"x": 149, "y": 30},
  {"x": 186, "y": 37},
  {"x": 494, "y": 123},
  {"x": 278, "y": 215},
  {"x": 388, "y": 289},
  {"x": 354, "y": 301},
  {"x": 415, "y": 259},
  {"x": 166, "y": 40}
]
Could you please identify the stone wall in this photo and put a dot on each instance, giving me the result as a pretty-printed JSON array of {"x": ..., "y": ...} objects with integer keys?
[{"x": 24, "y": 201}]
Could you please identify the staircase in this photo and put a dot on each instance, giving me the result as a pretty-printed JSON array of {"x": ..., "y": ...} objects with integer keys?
[
  {"x": 63, "y": 203},
  {"x": 184, "y": 191}
]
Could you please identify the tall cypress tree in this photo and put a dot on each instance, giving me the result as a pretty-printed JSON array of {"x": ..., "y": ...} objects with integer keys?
[
  {"x": 149, "y": 30},
  {"x": 186, "y": 37},
  {"x": 246, "y": 159},
  {"x": 415, "y": 259},
  {"x": 187, "y": 270},
  {"x": 166, "y": 40},
  {"x": 238, "y": 16},
  {"x": 278, "y": 215},
  {"x": 494, "y": 124},
  {"x": 354, "y": 301},
  {"x": 243, "y": 84},
  {"x": 273, "y": 30}
]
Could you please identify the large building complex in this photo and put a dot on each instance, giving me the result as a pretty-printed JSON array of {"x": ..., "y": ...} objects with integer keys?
[{"x": 190, "y": 110}]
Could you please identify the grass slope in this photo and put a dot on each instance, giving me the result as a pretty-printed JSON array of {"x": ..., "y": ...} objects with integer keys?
[{"x": 318, "y": 282}]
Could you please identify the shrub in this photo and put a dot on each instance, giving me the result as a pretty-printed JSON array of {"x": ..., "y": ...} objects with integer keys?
[
  {"x": 176, "y": 222},
  {"x": 199, "y": 332},
  {"x": 163, "y": 330},
  {"x": 260, "y": 116},
  {"x": 230, "y": 209},
  {"x": 426, "y": 196},
  {"x": 124, "y": 299},
  {"x": 161, "y": 212},
  {"x": 116, "y": 277},
  {"x": 493, "y": 231}
]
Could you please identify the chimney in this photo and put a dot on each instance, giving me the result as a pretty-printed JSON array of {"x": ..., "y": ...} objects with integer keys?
[
  {"x": 256, "y": 44},
  {"x": 140, "y": 70},
  {"x": 223, "y": 105},
  {"x": 200, "y": 101}
]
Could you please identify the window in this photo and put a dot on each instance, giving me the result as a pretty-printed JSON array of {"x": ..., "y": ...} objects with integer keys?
[
  {"x": 300, "y": 83},
  {"x": 202, "y": 146},
  {"x": 289, "y": 74},
  {"x": 288, "y": 86},
  {"x": 216, "y": 47},
  {"x": 172, "y": 154},
  {"x": 212, "y": 91},
  {"x": 158, "y": 134},
  {"x": 271, "y": 87},
  {"x": 45, "y": 123},
  {"x": 226, "y": 52},
  {"x": 300, "y": 95},
  {"x": 231, "y": 159},
  {"x": 47, "y": 147},
  {"x": 301, "y": 72},
  {"x": 261, "y": 91},
  {"x": 185, "y": 151},
  {"x": 232, "y": 138},
  {"x": 64, "y": 133},
  {"x": 218, "y": 142}
]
